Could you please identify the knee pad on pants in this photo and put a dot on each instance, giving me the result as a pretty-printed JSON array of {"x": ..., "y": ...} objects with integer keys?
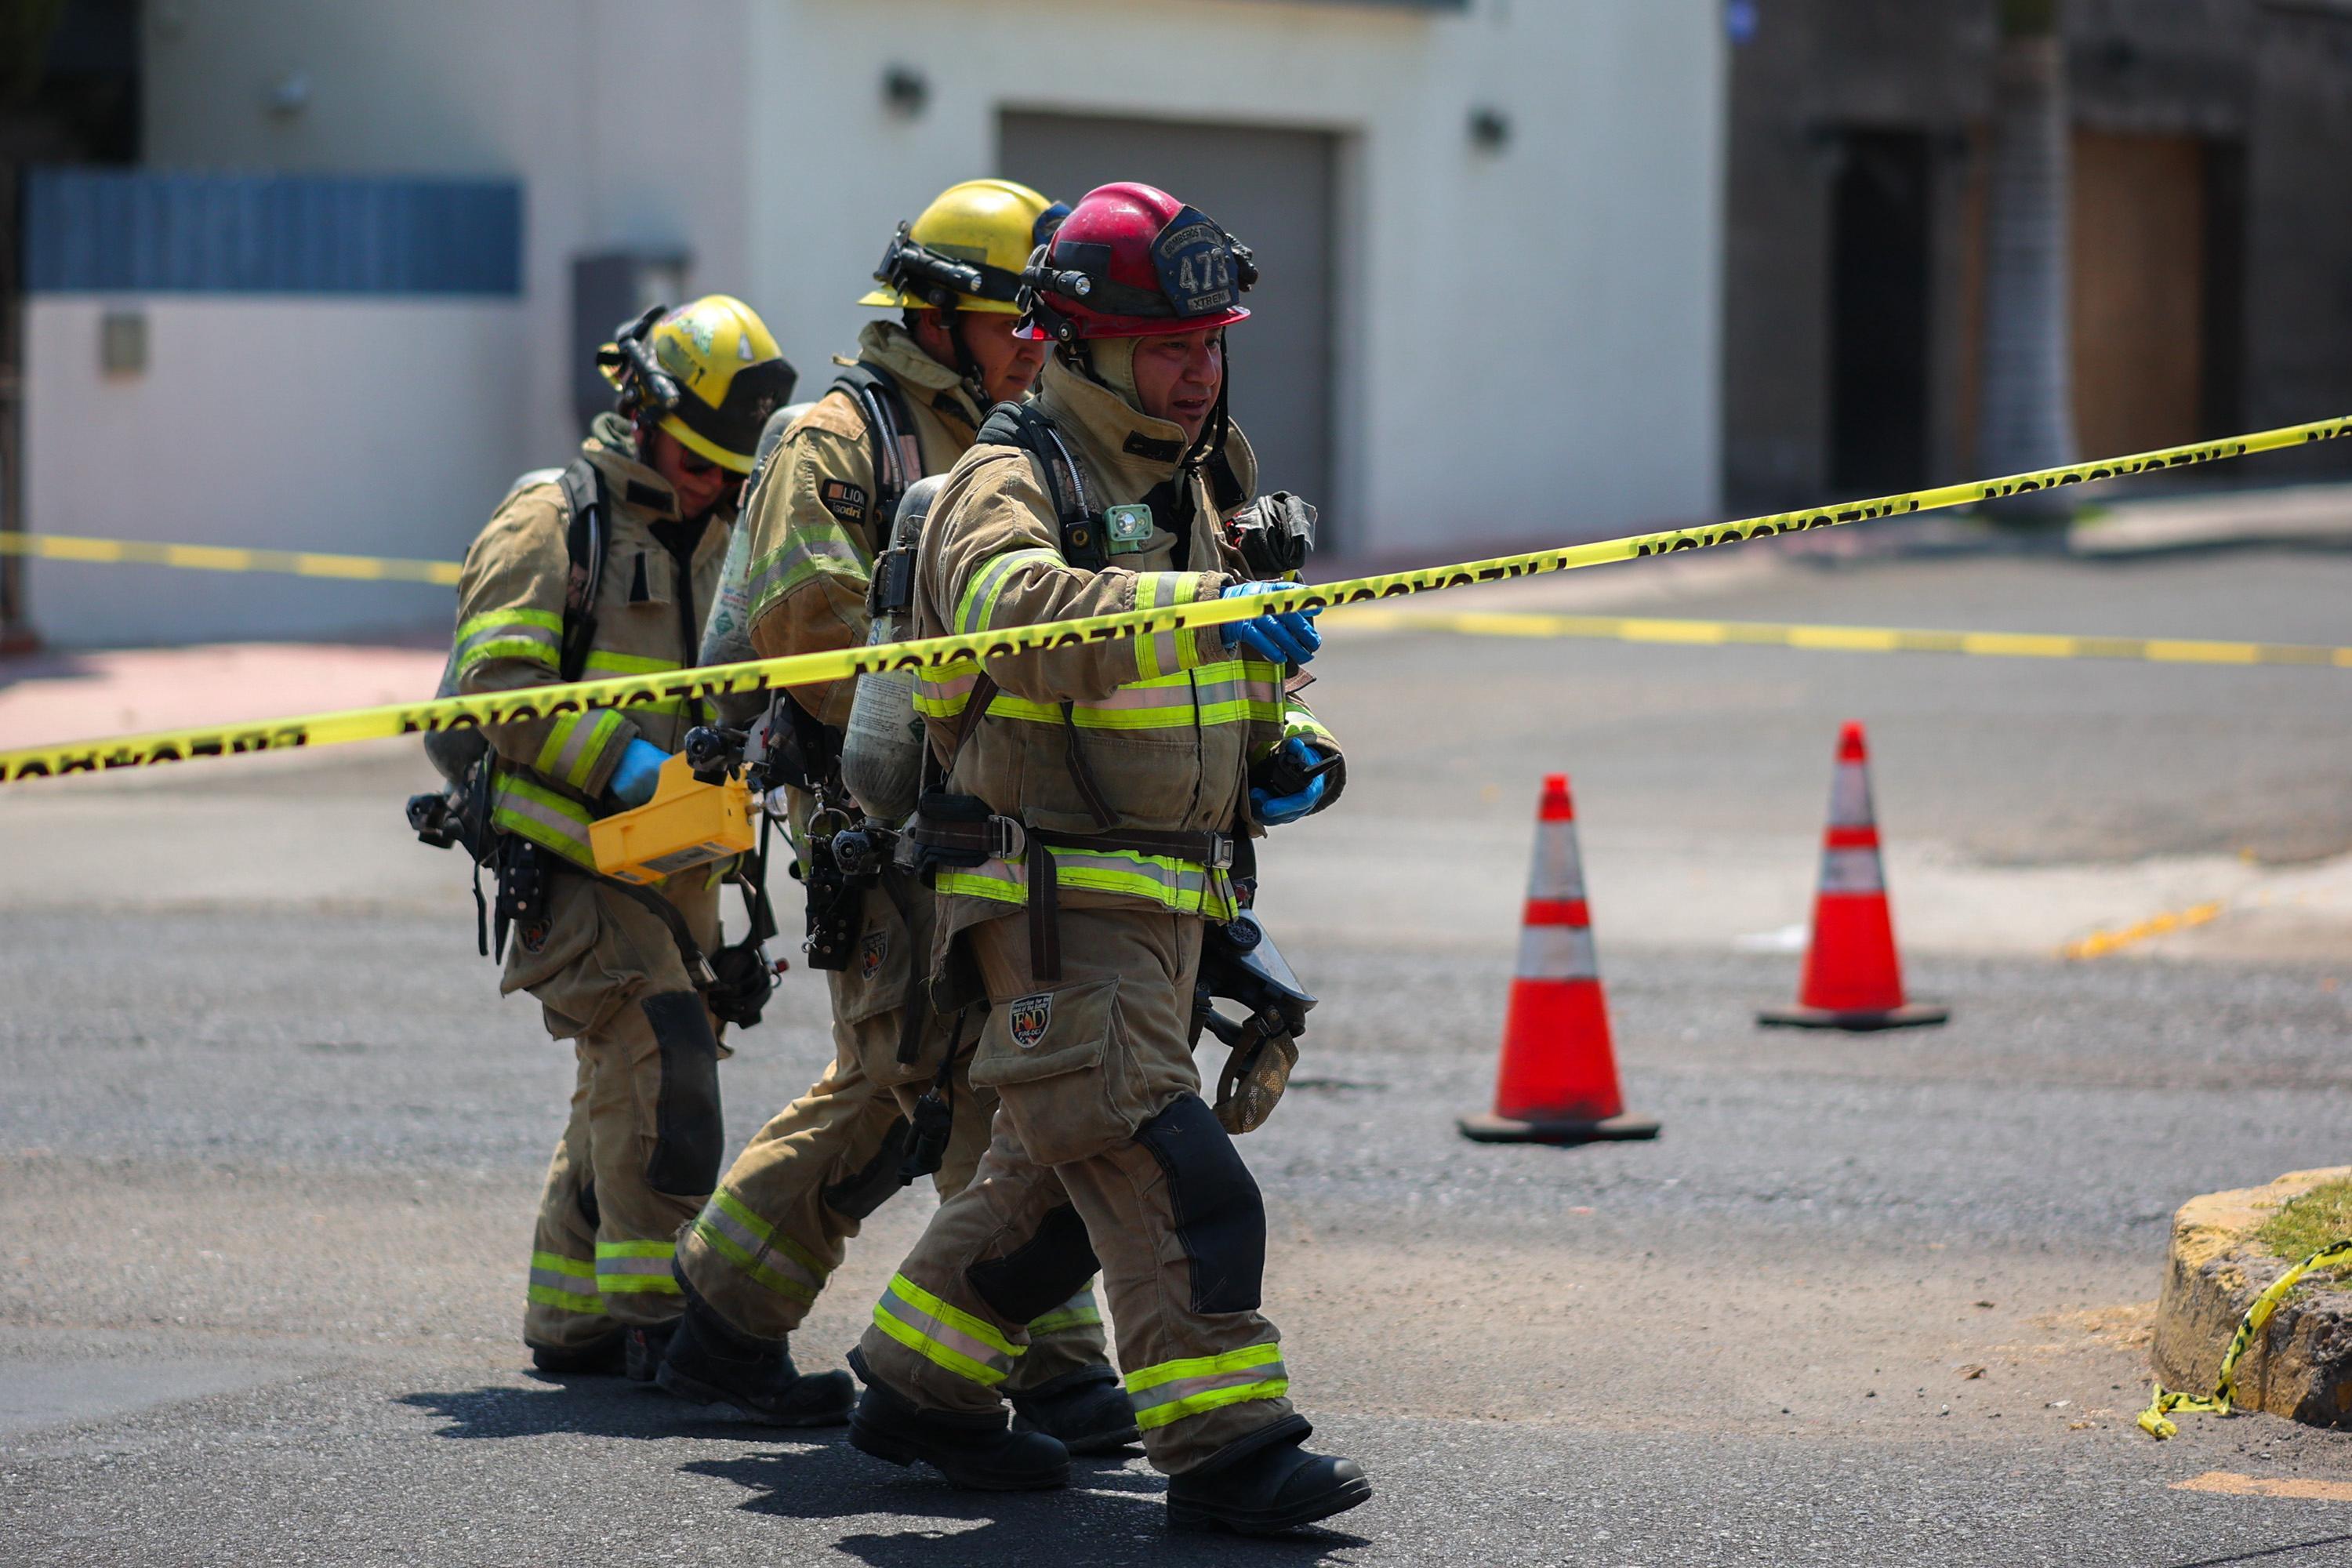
[
  {"x": 689, "y": 1135},
  {"x": 1041, "y": 1273},
  {"x": 873, "y": 1183},
  {"x": 1220, "y": 1217}
]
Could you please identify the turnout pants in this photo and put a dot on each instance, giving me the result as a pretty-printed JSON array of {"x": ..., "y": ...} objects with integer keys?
[
  {"x": 781, "y": 1220},
  {"x": 641, "y": 1149},
  {"x": 1105, "y": 1156}
]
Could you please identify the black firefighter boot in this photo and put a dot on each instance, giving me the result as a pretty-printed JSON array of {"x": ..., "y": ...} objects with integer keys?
[
  {"x": 1087, "y": 1410},
  {"x": 1264, "y": 1483},
  {"x": 710, "y": 1362},
  {"x": 975, "y": 1452}
]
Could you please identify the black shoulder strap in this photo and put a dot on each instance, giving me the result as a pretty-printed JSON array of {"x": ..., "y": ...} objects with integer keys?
[
  {"x": 583, "y": 499},
  {"x": 1023, "y": 425},
  {"x": 897, "y": 455}
]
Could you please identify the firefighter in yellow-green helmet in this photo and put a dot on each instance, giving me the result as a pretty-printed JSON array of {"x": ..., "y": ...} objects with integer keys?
[
  {"x": 608, "y": 570},
  {"x": 895, "y": 1097}
]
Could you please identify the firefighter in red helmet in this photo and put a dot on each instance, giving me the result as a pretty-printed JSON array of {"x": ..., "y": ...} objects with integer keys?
[{"x": 1094, "y": 818}]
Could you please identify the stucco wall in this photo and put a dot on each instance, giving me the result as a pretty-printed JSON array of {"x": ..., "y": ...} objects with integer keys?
[{"x": 301, "y": 423}]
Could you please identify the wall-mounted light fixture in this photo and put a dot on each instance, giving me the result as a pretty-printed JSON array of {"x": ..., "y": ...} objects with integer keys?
[
  {"x": 1490, "y": 129},
  {"x": 289, "y": 95},
  {"x": 907, "y": 90}
]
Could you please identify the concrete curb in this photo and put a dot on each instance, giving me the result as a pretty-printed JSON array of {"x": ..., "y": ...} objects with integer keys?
[{"x": 2300, "y": 1366}]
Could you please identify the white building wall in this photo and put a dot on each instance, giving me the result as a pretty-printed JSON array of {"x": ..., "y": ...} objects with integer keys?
[
  {"x": 623, "y": 120},
  {"x": 1528, "y": 337},
  {"x": 280, "y": 422}
]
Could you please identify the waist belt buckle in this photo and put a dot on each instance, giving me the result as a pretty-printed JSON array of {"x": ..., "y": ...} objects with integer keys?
[
  {"x": 1220, "y": 852},
  {"x": 1006, "y": 838}
]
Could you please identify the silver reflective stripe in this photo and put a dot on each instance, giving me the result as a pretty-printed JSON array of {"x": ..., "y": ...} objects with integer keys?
[
  {"x": 735, "y": 1230},
  {"x": 1557, "y": 952},
  {"x": 1208, "y": 1383},
  {"x": 583, "y": 731},
  {"x": 945, "y": 1334},
  {"x": 606, "y": 1264},
  {"x": 556, "y": 1279},
  {"x": 555, "y": 829},
  {"x": 1849, "y": 797},
  {"x": 1851, "y": 871},
  {"x": 1558, "y": 871}
]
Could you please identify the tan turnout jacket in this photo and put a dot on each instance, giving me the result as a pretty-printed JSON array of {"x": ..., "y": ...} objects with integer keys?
[
  {"x": 815, "y": 525},
  {"x": 1169, "y": 723},
  {"x": 511, "y": 599}
]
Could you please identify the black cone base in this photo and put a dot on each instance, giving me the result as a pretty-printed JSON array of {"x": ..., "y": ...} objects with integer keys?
[
  {"x": 1915, "y": 1016},
  {"x": 1489, "y": 1129}
]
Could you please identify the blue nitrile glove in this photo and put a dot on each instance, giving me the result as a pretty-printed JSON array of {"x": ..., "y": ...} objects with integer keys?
[
  {"x": 633, "y": 781},
  {"x": 1289, "y": 638},
  {"x": 1273, "y": 810}
]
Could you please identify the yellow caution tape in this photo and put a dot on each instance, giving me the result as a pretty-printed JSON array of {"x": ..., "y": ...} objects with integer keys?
[
  {"x": 800, "y": 670},
  {"x": 2153, "y": 1421},
  {"x": 1840, "y": 640},
  {"x": 225, "y": 558}
]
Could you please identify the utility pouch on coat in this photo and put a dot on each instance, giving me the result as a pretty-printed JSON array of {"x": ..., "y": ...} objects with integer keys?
[{"x": 690, "y": 1134}]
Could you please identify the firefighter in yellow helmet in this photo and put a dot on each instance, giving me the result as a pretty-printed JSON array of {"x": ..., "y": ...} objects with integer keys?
[
  {"x": 895, "y": 1100},
  {"x": 607, "y": 571}
]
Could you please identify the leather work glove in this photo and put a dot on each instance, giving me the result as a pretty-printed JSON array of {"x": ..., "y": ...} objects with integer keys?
[
  {"x": 633, "y": 780},
  {"x": 1289, "y": 638},
  {"x": 1296, "y": 758}
]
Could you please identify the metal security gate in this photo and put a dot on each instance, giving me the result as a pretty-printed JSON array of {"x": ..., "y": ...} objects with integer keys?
[{"x": 1275, "y": 190}]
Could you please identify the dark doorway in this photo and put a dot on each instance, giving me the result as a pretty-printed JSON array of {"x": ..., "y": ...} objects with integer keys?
[
  {"x": 1878, "y": 313},
  {"x": 1274, "y": 189}
]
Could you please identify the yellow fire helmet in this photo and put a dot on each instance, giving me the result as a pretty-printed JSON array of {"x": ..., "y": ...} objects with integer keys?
[
  {"x": 708, "y": 373},
  {"x": 967, "y": 249}
]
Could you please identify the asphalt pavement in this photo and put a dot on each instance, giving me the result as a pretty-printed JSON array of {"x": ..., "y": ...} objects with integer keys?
[{"x": 268, "y": 1141}]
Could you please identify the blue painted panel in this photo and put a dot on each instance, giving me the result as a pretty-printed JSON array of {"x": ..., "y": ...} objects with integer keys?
[{"x": 147, "y": 231}]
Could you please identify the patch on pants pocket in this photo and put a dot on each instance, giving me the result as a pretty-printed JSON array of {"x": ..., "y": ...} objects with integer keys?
[
  {"x": 1043, "y": 1053},
  {"x": 1220, "y": 1216},
  {"x": 1045, "y": 1034},
  {"x": 689, "y": 1133}
]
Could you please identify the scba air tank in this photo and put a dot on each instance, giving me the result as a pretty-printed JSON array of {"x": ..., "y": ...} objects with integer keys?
[{"x": 882, "y": 750}]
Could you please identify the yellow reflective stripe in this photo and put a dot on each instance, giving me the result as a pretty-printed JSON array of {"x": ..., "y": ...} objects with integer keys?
[
  {"x": 729, "y": 1228},
  {"x": 1079, "y": 1311},
  {"x": 519, "y": 616},
  {"x": 635, "y": 1267},
  {"x": 603, "y": 664},
  {"x": 574, "y": 743},
  {"x": 943, "y": 1334},
  {"x": 567, "y": 1284},
  {"x": 543, "y": 655},
  {"x": 1176, "y": 1389},
  {"x": 602, "y": 661},
  {"x": 982, "y": 591},
  {"x": 805, "y": 555},
  {"x": 547, "y": 819},
  {"x": 1180, "y": 885}
]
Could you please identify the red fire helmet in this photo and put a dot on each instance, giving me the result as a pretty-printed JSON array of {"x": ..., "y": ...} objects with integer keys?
[{"x": 1132, "y": 261}]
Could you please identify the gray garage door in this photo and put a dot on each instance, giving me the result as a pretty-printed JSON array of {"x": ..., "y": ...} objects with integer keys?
[{"x": 1274, "y": 190}]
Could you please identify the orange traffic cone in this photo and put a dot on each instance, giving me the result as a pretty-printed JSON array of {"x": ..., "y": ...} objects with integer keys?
[
  {"x": 1558, "y": 1081},
  {"x": 1853, "y": 978}
]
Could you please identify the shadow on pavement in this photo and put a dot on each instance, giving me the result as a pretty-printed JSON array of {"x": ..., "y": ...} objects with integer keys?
[
  {"x": 1110, "y": 1514},
  {"x": 592, "y": 1406}
]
